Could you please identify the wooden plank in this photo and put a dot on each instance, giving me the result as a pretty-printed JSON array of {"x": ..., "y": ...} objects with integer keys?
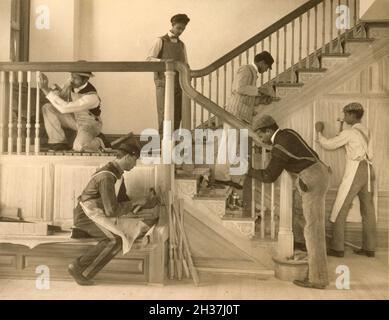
[{"x": 23, "y": 228}]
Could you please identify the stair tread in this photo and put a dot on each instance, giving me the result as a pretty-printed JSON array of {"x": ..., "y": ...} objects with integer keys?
[
  {"x": 209, "y": 197},
  {"x": 288, "y": 84},
  {"x": 336, "y": 55},
  {"x": 312, "y": 70},
  {"x": 232, "y": 217},
  {"x": 360, "y": 39}
]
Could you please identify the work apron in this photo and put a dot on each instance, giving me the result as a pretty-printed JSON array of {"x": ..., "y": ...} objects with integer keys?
[
  {"x": 348, "y": 178},
  {"x": 128, "y": 229}
]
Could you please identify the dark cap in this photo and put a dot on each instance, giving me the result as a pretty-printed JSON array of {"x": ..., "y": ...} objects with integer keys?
[
  {"x": 264, "y": 122},
  {"x": 265, "y": 56},
  {"x": 180, "y": 18},
  {"x": 131, "y": 147}
]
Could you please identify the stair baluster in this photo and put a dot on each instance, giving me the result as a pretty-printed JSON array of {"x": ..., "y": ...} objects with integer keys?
[
  {"x": 338, "y": 41},
  {"x": 269, "y": 72},
  {"x": 323, "y": 49},
  {"x": 331, "y": 25},
  {"x": 307, "y": 62},
  {"x": 28, "y": 123},
  {"x": 315, "y": 41},
  {"x": 210, "y": 98},
  {"x": 224, "y": 86},
  {"x": 19, "y": 124},
  {"x": 300, "y": 40},
  {"x": 217, "y": 95},
  {"x": 37, "y": 110},
  {"x": 194, "y": 119},
  {"x": 292, "y": 74},
  {"x": 277, "y": 55},
  {"x": 263, "y": 49},
  {"x": 263, "y": 160},
  {"x": 2, "y": 109},
  {"x": 202, "y": 108},
  {"x": 10, "y": 111},
  {"x": 285, "y": 47}
]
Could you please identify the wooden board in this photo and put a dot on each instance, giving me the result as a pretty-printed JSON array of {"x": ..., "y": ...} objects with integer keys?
[{"x": 24, "y": 228}]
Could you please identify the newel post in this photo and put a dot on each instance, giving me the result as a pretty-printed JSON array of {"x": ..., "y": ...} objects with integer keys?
[
  {"x": 285, "y": 234},
  {"x": 168, "y": 125}
]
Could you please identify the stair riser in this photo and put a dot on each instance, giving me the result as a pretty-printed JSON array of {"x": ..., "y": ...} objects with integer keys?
[
  {"x": 355, "y": 47},
  {"x": 185, "y": 188},
  {"x": 306, "y": 77},
  {"x": 246, "y": 228},
  {"x": 330, "y": 62},
  {"x": 378, "y": 33},
  {"x": 285, "y": 92},
  {"x": 215, "y": 207}
]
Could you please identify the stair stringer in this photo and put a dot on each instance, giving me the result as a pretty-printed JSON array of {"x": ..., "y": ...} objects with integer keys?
[
  {"x": 260, "y": 252},
  {"x": 330, "y": 81}
]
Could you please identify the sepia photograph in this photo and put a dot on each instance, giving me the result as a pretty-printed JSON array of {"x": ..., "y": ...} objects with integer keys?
[{"x": 194, "y": 150}]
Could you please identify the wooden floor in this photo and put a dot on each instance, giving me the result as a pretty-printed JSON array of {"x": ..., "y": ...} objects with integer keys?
[{"x": 368, "y": 280}]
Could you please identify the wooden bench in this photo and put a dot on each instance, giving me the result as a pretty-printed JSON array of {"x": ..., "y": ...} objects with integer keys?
[{"x": 143, "y": 264}]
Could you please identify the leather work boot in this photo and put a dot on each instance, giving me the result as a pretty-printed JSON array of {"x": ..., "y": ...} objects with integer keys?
[
  {"x": 307, "y": 284},
  {"x": 363, "y": 252},
  {"x": 335, "y": 253},
  {"x": 75, "y": 271}
]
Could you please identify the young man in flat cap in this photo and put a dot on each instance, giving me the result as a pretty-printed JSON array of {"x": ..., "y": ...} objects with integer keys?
[
  {"x": 357, "y": 180},
  {"x": 291, "y": 153},
  {"x": 169, "y": 47},
  {"x": 76, "y": 107},
  {"x": 245, "y": 94},
  {"x": 97, "y": 205}
]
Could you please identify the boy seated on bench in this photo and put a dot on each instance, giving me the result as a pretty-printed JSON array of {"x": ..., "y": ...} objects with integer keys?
[{"x": 100, "y": 213}]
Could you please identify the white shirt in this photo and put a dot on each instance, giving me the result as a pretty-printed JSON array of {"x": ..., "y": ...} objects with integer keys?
[
  {"x": 79, "y": 102},
  {"x": 352, "y": 140},
  {"x": 157, "y": 47}
]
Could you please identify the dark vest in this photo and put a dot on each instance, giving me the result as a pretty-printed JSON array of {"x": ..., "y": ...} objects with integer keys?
[
  {"x": 89, "y": 89},
  {"x": 170, "y": 50}
]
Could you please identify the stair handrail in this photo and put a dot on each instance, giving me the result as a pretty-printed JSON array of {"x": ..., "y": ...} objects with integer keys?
[
  {"x": 184, "y": 78},
  {"x": 255, "y": 39}
]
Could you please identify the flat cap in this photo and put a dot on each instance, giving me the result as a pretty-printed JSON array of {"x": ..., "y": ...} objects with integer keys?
[
  {"x": 180, "y": 18},
  {"x": 263, "y": 122},
  {"x": 354, "y": 106},
  {"x": 131, "y": 147}
]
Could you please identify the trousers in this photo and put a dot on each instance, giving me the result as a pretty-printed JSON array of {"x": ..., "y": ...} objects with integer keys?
[
  {"x": 87, "y": 129},
  {"x": 97, "y": 257},
  {"x": 358, "y": 188},
  {"x": 316, "y": 178}
]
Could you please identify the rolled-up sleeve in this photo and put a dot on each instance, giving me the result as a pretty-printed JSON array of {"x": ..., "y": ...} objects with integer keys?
[
  {"x": 333, "y": 143},
  {"x": 85, "y": 102},
  {"x": 155, "y": 50}
]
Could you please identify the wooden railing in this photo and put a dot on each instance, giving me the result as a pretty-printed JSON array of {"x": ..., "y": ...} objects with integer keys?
[
  {"x": 296, "y": 41},
  {"x": 18, "y": 74}
]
